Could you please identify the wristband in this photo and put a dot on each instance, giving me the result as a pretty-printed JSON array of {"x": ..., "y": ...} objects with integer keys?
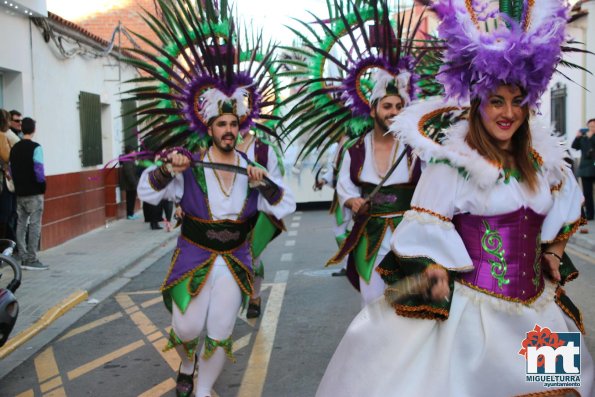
[{"x": 554, "y": 254}]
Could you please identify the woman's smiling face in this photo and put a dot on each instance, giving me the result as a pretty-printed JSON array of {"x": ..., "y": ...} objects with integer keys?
[{"x": 503, "y": 113}]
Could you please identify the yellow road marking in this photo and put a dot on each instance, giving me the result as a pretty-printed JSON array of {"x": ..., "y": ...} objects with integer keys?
[
  {"x": 257, "y": 367},
  {"x": 241, "y": 343},
  {"x": 46, "y": 366},
  {"x": 45, "y": 320},
  {"x": 147, "y": 292},
  {"x": 143, "y": 323},
  {"x": 51, "y": 384},
  {"x": 28, "y": 393},
  {"x": 149, "y": 329},
  {"x": 56, "y": 393},
  {"x": 125, "y": 301},
  {"x": 153, "y": 337},
  {"x": 92, "y": 325},
  {"x": 171, "y": 357},
  {"x": 161, "y": 389},
  {"x": 581, "y": 255},
  {"x": 132, "y": 309},
  {"x": 151, "y": 302},
  {"x": 83, "y": 369}
]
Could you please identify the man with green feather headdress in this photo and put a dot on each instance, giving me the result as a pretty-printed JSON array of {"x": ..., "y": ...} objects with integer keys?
[
  {"x": 377, "y": 77},
  {"x": 194, "y": 120}
]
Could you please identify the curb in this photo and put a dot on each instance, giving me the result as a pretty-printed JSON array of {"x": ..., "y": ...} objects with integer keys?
[
  {"x": 70, "y": 303},
  {"x": 44, "y": 321}
]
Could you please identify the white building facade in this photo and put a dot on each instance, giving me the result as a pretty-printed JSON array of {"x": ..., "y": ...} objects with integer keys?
[
  {"x": 70, "y": 82},
  {"x": 570, "y": 102}
]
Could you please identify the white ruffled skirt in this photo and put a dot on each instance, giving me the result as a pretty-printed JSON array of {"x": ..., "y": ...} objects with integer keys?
[{"x": 474, "y": 353}]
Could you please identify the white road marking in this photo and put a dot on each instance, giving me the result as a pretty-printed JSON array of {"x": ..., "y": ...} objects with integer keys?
[{"x": 287, "y": 257}]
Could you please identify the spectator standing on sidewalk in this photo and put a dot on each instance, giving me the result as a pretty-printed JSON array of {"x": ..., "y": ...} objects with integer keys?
[
  {"x": 128, "y": 183},
  {"x": 15, "y": 123},
  {"x": 167, "y": 210},
  {"x": 8, "y": 214},
  {"x": 585, "y": 142},
  {"x": 152, "y": 213},
  {"x": 26, "y": 163}
]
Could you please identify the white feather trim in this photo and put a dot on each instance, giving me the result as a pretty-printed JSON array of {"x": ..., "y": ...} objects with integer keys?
[
  {"x": 454, "y": 149},
  {"x": 381, "y": 79},
  {"x": 551, "y": 148},
  {"x": 240, "y": 95},
  {"x": 212, "y": 99},
  {"x": 542, "y": 12}
]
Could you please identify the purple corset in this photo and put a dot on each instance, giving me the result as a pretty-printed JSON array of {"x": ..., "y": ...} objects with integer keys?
[{"x": 505, "y": 251}]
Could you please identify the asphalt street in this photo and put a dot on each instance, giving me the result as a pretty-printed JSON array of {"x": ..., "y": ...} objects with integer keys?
[{"x": 116, "y": 349}]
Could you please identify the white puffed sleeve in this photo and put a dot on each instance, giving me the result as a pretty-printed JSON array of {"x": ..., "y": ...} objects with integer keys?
[
  {"x": 173, "y": 191},
  {"x": 346, "y": 189},
  {"x": 427, "y": 229}
]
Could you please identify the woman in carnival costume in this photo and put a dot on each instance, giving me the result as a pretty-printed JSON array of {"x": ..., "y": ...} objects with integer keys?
[
  {"x": 199, "y": 91},
  {"x": 488, "y": 224}
]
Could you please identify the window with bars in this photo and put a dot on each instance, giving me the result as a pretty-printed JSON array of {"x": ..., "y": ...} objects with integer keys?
[
  {"x": 90, "y": 116},
  {"x": 558, "y": 108}
]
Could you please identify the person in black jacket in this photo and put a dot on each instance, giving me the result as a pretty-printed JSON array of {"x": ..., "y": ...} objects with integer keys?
[
  {"x": 128, "y": 182},
  {"x": 26, "y": 164},
  {"x": 585, "y": 142}
]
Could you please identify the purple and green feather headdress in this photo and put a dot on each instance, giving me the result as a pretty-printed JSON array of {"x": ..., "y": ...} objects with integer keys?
[
  {"x": 203, "y": 67},
  {"x": 373, "y": 55},
  {"x": 520, "y": 43}
]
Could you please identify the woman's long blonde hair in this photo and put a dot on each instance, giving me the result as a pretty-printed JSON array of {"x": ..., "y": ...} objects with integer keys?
[{"x": 479, "y": 139}]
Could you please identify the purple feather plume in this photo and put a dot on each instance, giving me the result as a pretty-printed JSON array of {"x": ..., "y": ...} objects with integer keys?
[{"x": 476, "y": 62}]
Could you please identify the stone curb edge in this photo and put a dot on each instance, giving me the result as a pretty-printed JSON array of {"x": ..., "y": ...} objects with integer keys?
[{"x": 68, "y": 304}]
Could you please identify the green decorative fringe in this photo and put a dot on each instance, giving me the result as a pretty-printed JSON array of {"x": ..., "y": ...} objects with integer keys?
[
  {"x": 212, "y": 344},
  {"x": 189, "y": 346}
]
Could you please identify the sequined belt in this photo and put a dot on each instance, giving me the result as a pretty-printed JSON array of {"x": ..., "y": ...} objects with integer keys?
[
  {"x": 217, "y": 236},
  {"x": 505, "y": 251},
  {"x": 390, "y": 199}
]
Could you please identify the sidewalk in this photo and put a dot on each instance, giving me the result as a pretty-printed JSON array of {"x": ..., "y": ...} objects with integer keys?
[{"x": 78, "y": 268}]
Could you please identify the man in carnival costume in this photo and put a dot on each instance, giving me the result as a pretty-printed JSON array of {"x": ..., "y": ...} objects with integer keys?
[
  {"x": 376, "y": 85},
  {"x": 498, "y": 203},
  {"x": 208, "y": 96},
  {"x": 267, "y": 153},
  {"x": 262, "y": 151}
]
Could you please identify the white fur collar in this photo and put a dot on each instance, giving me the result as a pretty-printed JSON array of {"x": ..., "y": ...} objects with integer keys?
[{"x": 405, "y": 126}]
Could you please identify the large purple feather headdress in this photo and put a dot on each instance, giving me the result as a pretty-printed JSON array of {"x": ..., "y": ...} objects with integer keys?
[
  {"x": 362, "y": 53},
  {"x": 523, "y": 48},
  {"x": 202, "y": 68}
]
